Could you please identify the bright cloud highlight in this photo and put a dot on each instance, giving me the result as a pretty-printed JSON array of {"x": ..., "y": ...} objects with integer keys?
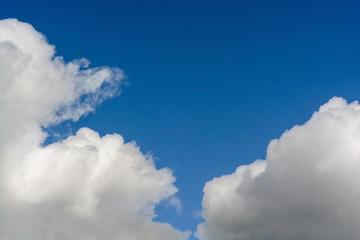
[{"x": 86, "y": 186}]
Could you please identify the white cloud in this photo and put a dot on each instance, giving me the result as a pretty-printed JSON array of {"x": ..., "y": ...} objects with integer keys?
[
  {"x": 307, "y": 188},
  {"x": 175, "y": 202},
  {"x": 85, "y": 187}
]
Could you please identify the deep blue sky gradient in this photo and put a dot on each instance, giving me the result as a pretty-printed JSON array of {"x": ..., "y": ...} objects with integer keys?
[{"x": 210, "y": 82}]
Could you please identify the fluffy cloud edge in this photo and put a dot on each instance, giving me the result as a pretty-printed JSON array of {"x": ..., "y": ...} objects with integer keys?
[
  {"x": 306, "y": 188},
  {"x": 86, "y": 186}
]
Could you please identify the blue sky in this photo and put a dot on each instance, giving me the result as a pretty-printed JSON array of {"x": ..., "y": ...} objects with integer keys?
[{"x": 210, "y": 82}]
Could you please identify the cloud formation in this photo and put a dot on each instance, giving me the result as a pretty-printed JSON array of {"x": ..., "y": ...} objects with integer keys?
[
  {"x": 307, "y": 187},
  {"x": 86, "y": 186}
]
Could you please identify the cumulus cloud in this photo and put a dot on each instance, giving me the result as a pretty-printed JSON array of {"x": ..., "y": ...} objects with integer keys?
[
  {"x": 86, "y": 186},
  {"x": 307, "y": 187}
]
